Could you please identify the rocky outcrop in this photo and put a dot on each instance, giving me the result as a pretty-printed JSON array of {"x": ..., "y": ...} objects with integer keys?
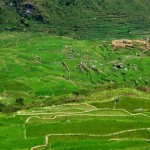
[
  {"x": 121, "y": 43},
  {"x": 28, "y": 10}
]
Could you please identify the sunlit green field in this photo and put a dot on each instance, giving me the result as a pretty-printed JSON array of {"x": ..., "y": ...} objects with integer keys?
[
  {"x": 73, "y": 96},
  {"x": 76, "y": 126},
  {"x": 36, "y": 66}
]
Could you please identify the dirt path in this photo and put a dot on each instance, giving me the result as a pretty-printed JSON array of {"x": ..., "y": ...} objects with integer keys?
[
  {"x": 82, "y": 113},
  {"x": 88, "y": 135},
  {"x": 36, "y": 115},
  {"x": 27, "y": 121}
]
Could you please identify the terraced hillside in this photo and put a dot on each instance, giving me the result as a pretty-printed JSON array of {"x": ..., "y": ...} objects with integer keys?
[
  {"x": 41, "y": 68},
  {"x": 77, "y": 18},
  {"x": 74, "y": 75},
  {"x": 97, "y": 125},
  {"x": 61, "y": 93}
]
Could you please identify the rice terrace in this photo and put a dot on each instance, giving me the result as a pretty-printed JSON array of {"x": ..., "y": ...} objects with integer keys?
[{"x": 74, "y": 75}]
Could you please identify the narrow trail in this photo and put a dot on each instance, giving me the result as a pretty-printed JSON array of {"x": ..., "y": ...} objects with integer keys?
[
  {"x": 27, "y": 121},
  {"x": 87, "y": 135},
  {"x": 91, "y": 109},
  {"x": 75, "y": 114},
  {"x": 40, "y": 112},
  {"x": 46, "y": 109},
  {"x": 83, "y": 113}
]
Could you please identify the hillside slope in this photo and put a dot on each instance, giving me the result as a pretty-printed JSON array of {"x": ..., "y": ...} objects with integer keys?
[
  {"x": 41, "y": 67},
  {"x": 77, "y": 18}
]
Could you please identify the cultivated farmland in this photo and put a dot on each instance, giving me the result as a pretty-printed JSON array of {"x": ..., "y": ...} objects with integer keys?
[
  {"x": 62, "y": 93},
  {"x": 76, "y": 126}
]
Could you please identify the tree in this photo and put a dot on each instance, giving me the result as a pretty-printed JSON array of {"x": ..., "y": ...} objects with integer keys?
[
  {"x": 2, "y": 107},
  {"x": 20, "y": 101}
]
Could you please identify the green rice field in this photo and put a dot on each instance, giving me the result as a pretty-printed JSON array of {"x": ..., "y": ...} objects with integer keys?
[{"x": 59, "y": 93}]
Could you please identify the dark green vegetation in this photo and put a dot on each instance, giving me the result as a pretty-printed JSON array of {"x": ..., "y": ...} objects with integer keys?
[{"x": 77, "y": 18}]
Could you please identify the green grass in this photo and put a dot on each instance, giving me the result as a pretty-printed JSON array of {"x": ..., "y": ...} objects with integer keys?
[
  {"x": 35, "y": 68},
  {"x": 87, "y": 144},
  {"x": 130, "y": 104},
  {"x": 47, "y": 70},
  {"x": 93, "y": 128}
]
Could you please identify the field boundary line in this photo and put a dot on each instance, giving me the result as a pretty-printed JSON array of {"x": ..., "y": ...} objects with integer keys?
[
  {"x": 89, "y": 135},
  {"x": 86, "y": 111},
  {"x": 27, "y": 121},
  {"x": 82, "y": 113},
  {"x": 77, "y": 114}
]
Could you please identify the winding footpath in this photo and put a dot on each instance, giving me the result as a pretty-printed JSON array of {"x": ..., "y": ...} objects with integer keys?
[
  {"x": 83, "y": 113},
  {"x": 87, "y": 135},
  {"x": 36, "y": 114}
]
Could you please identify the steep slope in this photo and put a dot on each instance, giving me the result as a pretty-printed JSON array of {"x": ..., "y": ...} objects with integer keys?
[{"x": 77, "y": 18}]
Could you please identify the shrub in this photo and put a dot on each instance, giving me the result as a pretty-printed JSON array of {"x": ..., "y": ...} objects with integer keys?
[{"x": 20, "y": 101}]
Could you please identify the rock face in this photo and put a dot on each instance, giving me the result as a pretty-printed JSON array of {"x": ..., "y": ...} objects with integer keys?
[
  {"x": 121, "y": 43},
  {"x": 30, "y": 11},
  {"x": 144, "y": 43}
]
